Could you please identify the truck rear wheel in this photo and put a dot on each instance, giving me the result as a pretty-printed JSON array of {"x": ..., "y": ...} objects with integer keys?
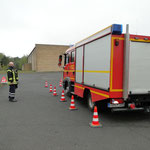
[
  {"x": 67, "y": 89},
  {"x": 90, "y": 103}
]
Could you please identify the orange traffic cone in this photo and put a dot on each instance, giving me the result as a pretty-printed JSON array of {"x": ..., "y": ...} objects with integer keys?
[
  {"x": 72, "y": 104},
  {"x": 95, "y": 121},
  {"x": 60, "y": 84},
  {"x": 62, "y": 97},
  {"x": 3, "y": 80},
  {"x": 46, "y": 84},
  {"x": 54, "y": 92},
  {"x": 50, "y": 89}
]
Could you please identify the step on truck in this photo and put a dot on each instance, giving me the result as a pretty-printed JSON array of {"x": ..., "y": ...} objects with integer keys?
[{"x": 110, "y": 67}]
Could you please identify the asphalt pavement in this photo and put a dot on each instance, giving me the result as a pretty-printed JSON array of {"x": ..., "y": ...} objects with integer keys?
[{"x": 38, "y": 121}]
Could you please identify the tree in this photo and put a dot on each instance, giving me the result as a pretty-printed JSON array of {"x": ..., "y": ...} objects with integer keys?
[
  {"x": 1, "y": 57},
  {"x": 23, "y": 60},
  {"x": 4, "y": 60}
]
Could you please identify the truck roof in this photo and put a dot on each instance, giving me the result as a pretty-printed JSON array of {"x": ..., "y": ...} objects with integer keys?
[
  {"x": 70, "y": 49},
  {"x": 93, "y": 35},
  {"x": 112, "y": 29},
  {"x": 115, "y": 28}
]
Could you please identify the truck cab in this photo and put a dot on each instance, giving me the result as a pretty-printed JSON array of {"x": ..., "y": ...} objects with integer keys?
[{"x": 69, "y": 70}]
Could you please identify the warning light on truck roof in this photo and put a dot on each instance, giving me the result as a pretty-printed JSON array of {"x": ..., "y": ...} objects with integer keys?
[{"x": 117, "y": 29}]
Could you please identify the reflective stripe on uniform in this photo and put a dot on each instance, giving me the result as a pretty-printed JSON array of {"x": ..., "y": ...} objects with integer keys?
[
  {"x": 11, "y": 94},
  {"x": 14, "y": 81}
]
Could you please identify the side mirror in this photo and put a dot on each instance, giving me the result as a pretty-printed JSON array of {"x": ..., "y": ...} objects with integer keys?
[{"x": 60, "y": 60}]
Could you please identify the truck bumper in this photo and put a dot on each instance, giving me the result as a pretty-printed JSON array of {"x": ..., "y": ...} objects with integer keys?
[{"x": 127, "y": 109}]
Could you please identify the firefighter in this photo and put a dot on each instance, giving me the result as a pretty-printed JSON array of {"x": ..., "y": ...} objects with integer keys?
[{"x": 12, "y": 76}]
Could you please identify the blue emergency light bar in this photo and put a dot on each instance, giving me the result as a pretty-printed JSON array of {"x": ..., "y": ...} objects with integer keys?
[{"x": 117, "y": 29}]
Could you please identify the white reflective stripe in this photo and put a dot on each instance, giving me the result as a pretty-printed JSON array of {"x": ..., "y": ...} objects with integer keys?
[
  {"x": 95, "y": 119},
  {"x": 95, "y": 113},
  {"x": 72, "y": 105},
  {"x": 11, "y": 93},
  {"x": 72, "y": 100},
  {"x": 11, "y": 96}
]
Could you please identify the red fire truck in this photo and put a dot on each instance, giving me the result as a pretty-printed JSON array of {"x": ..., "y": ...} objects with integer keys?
[{"x": 110, "y": 67}]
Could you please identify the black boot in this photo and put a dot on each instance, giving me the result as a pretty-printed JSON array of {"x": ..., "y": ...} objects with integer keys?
[{"x": 12, "y": 99}]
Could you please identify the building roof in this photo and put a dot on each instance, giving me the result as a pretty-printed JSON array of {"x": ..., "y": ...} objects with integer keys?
[
  {"x": 45, "y": 45},
  {"x": 49, "y": 45}
]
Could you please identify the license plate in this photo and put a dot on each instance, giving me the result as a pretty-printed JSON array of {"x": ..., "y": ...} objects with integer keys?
[{"x": 115, "y": 105}]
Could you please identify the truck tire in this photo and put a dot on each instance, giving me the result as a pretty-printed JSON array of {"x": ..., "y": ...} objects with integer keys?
[
  {"x": 89, "y": 101},
  {"x": 67, "y": 89}
]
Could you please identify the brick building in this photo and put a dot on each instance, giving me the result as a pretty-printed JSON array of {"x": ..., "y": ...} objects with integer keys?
[{"x": 45, "y": 57}]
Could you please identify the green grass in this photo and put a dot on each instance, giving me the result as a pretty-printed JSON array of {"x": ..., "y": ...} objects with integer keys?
[{"x": 2, "y": 72}]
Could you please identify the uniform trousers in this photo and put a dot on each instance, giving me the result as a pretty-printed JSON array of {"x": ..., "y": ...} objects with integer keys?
[{"x": 12, "y": 89}]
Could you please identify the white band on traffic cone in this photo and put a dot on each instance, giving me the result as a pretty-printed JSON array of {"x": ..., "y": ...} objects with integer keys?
[
  {"x": 95, "y": 119},
  {"x": 95, "y": 113}
]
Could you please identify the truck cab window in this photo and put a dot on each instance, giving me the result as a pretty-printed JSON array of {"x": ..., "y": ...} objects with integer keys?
[
  {"x": 72, "y": 56},
  {"x": 67, "y": 59}
]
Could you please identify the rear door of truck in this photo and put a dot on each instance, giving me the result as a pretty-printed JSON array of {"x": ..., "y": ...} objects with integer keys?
[{"x": 139, "y": 66}]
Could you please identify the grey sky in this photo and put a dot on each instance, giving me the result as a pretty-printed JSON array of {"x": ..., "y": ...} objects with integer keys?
[{"x": 26, "y": 22}]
